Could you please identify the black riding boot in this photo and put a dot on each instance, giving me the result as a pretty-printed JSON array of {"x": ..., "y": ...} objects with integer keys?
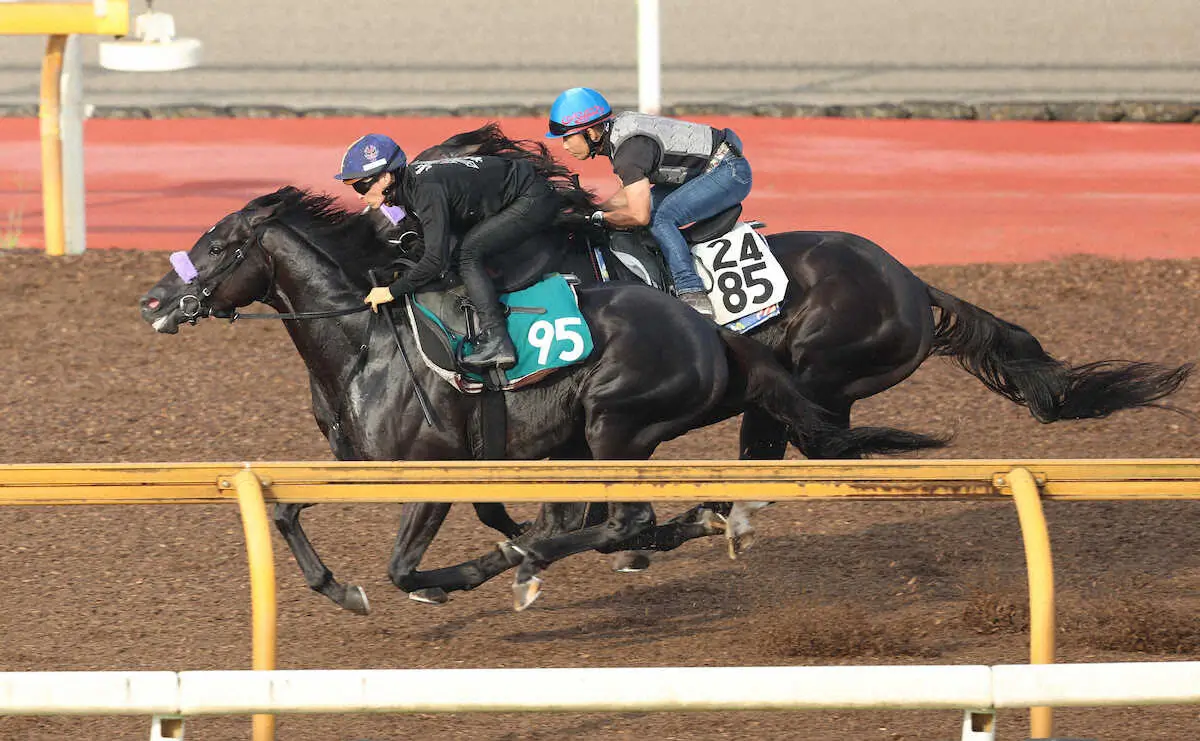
[{"x": 493, "y": 348}]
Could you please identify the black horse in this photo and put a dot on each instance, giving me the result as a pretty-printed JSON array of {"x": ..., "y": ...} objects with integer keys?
[
  {"x": 658, "y": 370},
  {"x": 856, "y": 322}
]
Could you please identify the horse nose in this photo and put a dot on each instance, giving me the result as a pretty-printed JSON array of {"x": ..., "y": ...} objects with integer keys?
[{"x": 149, "y": 304}]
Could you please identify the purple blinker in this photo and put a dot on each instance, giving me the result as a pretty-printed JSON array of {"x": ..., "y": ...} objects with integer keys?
[
  {"x": 183, "y": 266},
  {"x": 393, "y": 213}
]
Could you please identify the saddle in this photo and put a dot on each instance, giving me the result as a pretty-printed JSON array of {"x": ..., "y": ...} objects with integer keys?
[
  {"x": 717, "y": 225},
  {"x": 543, "y": 320},
  {"x": 741, "y": 276}
]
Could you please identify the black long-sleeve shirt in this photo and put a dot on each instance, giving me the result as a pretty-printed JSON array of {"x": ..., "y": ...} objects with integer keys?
[{"x": 450, "y": 196}]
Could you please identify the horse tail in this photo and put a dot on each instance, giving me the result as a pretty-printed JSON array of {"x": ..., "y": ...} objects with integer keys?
[
  {"x": 767, "y": 385},
  {"x": 1011, "y": 362}
]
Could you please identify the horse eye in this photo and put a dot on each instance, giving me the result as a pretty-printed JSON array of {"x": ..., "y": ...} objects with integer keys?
[{"x": 215, "y": 249}]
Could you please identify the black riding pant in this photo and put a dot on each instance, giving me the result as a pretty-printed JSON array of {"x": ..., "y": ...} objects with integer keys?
[{"x": 529, "y": 213}]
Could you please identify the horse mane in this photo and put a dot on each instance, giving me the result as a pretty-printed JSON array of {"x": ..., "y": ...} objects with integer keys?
[
  {"x": 348, "y": 237},
  {"x": 489, "y": 141}
]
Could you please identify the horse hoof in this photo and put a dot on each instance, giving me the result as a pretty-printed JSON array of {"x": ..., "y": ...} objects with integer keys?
[
  {"x": 431, "y": 596},
  {"x": 525, "y": 593},
  {"x": 356, "y": 600},
  {"x": 713, "y": 522},
  {"x": 739, "y": 543},
  {"x": 631, "y": 562}
]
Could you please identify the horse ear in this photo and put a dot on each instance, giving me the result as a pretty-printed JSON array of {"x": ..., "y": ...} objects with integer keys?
[{"x": 262, "y": 213}]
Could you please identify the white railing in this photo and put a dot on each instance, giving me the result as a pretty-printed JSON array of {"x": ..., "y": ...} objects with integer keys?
[
  {"x": 977, "y": 690},
  {"x": 649, "y": 62}
]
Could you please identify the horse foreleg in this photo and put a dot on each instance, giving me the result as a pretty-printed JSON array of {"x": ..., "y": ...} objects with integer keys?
[
  {"x": 419, "y": 523},
  {"x": 318, "y": 576}
]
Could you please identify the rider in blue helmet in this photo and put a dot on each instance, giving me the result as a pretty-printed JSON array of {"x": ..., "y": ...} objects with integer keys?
[
  {"x": 469, "y": 208},
  {"x": 672, "y": 173},
  {"x": 369, "y": 166}
]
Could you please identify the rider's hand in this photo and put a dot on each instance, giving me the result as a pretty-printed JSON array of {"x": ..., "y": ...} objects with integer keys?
[
  {"x": 573, "y": 221},
  {"x": 377, "y": 296}
]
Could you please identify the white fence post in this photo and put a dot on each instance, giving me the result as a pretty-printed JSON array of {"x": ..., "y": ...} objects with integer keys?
[
  {"x": 979, "y": 725},
  {"x": 649, "y": 61},
  {"x": 166, "y": 728},
  {"x": 71, "y": 115}
]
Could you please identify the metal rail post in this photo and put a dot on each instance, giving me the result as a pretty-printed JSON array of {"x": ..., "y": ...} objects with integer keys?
[
  {"x": 49, "y": 112},
  {"x": 262, "y": 582},
  {"x": 1040, "y": 564}
]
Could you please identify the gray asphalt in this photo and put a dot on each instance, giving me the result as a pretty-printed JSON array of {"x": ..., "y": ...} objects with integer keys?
[{"x": 387, "y": 55}]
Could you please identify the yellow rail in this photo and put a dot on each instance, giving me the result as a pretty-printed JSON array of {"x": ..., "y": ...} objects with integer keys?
[
  {"x": 262, "y": 584},
  {"x": 521, "y": 481},
  {"x": 252, "y": 485},
  {"x": 106, "y": 18}
]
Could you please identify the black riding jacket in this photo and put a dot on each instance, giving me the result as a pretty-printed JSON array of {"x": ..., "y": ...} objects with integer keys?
[{"x": 449, "y": 197}]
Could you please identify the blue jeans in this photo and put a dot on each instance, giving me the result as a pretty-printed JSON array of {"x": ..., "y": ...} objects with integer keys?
[{"x": 675, "y": 206}]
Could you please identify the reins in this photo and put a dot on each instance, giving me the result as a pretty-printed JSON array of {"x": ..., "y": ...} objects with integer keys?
[{"x": 298, "y": 314}]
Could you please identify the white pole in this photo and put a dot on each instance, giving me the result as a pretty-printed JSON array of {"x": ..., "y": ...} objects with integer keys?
[
  {"x": 979, "y": 725},
  {"x": 649, "y": 58},
  {"x": 71, "y": 115}
]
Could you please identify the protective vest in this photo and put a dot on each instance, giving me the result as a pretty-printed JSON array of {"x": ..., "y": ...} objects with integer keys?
[{"x": 684, "y": 148}]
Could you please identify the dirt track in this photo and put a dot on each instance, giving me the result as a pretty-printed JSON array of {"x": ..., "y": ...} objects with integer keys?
[{"x": 82, "y": 379}]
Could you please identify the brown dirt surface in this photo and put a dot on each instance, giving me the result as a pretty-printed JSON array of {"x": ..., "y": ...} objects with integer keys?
[{"x": 83, "y": 379}]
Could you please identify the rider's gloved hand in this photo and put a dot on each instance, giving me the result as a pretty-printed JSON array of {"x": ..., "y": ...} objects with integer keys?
[
  {"x": 573, "y": 221},
  {"x": 377, "y": 296}
]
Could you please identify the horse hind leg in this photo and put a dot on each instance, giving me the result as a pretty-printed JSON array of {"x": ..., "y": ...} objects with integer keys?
[
  {"x": 495, "y": 516},
  {"x": 762, "y": 437},
  {"x": 419, "y": 523},
  {"x": 611, "y": 437},
  {"x": 319, "y": 577},
  {"x": 625, "y": 520},
  {"x": 431, "y": 586}
]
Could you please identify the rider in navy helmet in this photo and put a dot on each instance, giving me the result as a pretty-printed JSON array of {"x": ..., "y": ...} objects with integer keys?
[
  {"x": 672, "y": 173},
  {"x": 369, "y": 165},
  {"x": 492, "y": 203}
]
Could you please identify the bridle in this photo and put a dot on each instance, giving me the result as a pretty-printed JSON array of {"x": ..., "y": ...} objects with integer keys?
[{"x": 198, "y": 305}]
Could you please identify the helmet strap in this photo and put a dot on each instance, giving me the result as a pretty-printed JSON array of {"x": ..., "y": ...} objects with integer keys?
[
  {"x": 390, "y": 192},
  {"x": 595, "y": 145}
]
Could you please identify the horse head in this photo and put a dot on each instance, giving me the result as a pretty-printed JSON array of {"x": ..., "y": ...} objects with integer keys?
[
  {"x": 281, "y": 249},
  {"x": 226, "y": 268}
]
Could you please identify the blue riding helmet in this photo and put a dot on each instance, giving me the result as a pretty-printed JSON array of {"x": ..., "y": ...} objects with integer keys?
[
  {"x": 575, "y": 110},
  {"x": 371, "y": 155}
]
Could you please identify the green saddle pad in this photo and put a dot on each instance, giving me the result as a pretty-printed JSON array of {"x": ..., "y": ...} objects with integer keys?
[{"x": 545, "y": 325}]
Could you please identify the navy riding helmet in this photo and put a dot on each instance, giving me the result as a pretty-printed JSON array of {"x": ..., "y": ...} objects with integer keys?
[
  {"x": 371, "y": 155},
  {"x": 575, "y": 110}
]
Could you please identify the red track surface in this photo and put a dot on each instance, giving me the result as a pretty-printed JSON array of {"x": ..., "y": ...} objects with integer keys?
[{"x": 931, "y": 192}]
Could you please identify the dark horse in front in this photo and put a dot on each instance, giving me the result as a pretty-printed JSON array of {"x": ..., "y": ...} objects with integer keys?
[{"x": 658, "y": 370}]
